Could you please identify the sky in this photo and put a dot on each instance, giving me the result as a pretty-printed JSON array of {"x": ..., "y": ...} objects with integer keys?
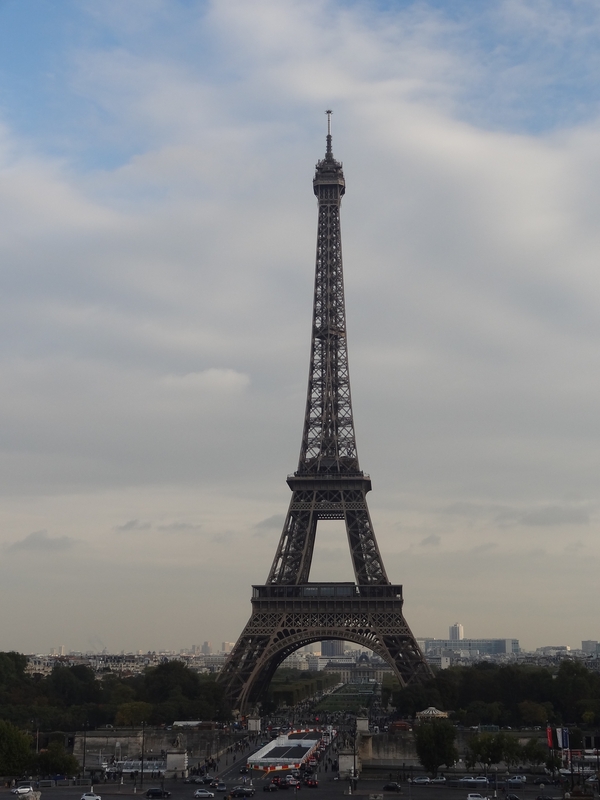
[{"x": 156, "y": 266}]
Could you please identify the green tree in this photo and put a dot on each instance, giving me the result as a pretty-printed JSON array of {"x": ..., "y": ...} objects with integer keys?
[
  {"x": 533, "y": 713},
  {"x": 15, "y": 750},
  {"x": 435, "y": 743},
  {"x": 56, "y": 761},
  {"x": 130, "y": 714},
  {"x": 535, "y": 752}
]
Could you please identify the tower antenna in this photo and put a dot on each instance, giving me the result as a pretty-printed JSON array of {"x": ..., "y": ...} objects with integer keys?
[{"x": 329, "y": 112}]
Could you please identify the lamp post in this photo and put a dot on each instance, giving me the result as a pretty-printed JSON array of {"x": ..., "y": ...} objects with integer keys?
[
  {"x": 142, "y": 765},
  {"x": 85, "y": 725}
]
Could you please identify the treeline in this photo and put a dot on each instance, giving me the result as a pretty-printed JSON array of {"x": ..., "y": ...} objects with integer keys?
[
  {"x": 516, "y": 696},
  {"x": 70, "y": 698}
]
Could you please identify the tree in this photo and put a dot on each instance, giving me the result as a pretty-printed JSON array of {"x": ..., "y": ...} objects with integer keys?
[
  {"x": 56, "y": 761},
  {"x": 435, "y": 744},
  {"x": 130, "y": 714},
  {"x": 15, "y": 750},
  {"x": 535, "y": 752}
]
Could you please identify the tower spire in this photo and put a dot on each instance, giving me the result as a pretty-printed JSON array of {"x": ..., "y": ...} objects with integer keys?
[{"x": 329, "y": 152}]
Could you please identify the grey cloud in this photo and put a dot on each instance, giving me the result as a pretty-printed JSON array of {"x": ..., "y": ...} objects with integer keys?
[
  {"x": 270, "y": 523},
  {"x": 507, "y": 515},
  {"x": 39, "y": 541},
  {"x": 133, "y": 525},
  {"x": 486, "y": 547},
  {"x": 178, "y": 527},
  {"x": 556, "y": 515},
  {"x": 432, "y": 540}
]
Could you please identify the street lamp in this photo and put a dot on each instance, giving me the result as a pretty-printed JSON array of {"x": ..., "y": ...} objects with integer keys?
[
  {"x": 85, "y": 726},
  {"x": 143, "y": 742}
]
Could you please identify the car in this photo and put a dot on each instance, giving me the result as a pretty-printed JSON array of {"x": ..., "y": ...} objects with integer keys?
[
  {"x": 244, "y": 770},
  {"x": 157, "y": 792},
  {"x": 392, "y": 787},
  {"x": 203, "y": 793},
  {"x": 24, "y": 788},
  {"x": 544, "y": 797},
  {"x": 439, "y": 779},
  {"x": 221, "y": 787},
  {"x": 421, "y": 779},
  {"x": 472, "y": 781},
  {"x": 242, "y": 791},
  {"x": 90, "y": 796},
  {"x": 512, "y": 797},
  {"x": 475, "y": 796},
  {"x": 311, "y": 782},
  {"x": 270, "y": 787}
]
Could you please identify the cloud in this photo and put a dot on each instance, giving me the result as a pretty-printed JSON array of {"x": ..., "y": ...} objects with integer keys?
[
  {"x": 210, "y": 380},
  {"x": 543, "y": 516},
  {"x": 272, "y": 523},
  {"x": 179, "y": 527},
  {"x": 156, "y": 292},
  {"x": 40, "y": 542},
  {"x": 556, "y": 515},
  {"x": 133, "y": 525}
]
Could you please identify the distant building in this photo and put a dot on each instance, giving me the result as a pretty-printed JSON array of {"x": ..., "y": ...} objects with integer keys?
[
  {"x": 472, "y": 647},
  {"x": 318, "y": 663},
  {"x": 457, "y": 632},
  {"x": 332, "y": 648},
  {"x": 207, "y": 648},
  {"x": 589, "y": 646},
  {"x": 227, "y": 647},
  {"x": 295, "y": 661},
  {"x": 360, "y": 671},
  {"x": 553, "y": 649}
]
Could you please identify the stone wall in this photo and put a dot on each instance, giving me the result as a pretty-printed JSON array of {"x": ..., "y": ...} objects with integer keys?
[{"x": 126, "y": 743}]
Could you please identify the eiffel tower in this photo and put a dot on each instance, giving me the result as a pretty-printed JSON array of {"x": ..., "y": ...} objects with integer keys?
[{"x": 288, "y": 612}]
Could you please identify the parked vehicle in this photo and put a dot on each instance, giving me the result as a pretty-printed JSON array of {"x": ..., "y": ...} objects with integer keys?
[
  {"x": 203, "y": 793},
  {"x": 392, "y": 787},
  {"x": 157, "y": 792},
  {"x": 480, "y": 780}
]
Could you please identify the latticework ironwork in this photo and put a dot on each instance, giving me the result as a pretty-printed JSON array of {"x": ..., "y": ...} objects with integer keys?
[{"x": 289, "y": 612}]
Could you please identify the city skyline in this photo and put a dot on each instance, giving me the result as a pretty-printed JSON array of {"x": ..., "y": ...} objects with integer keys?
[{"x": 157, "y": 258}]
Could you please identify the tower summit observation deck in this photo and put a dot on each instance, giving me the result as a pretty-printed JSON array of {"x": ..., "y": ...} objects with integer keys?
[{"x": 288, "y": 612}]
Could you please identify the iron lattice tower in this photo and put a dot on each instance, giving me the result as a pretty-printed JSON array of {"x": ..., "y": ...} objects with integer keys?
[{"x": 288, "y": 611}]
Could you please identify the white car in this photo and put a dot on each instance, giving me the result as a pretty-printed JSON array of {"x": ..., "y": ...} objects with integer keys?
[
  {"x": 90, "y": 796},
  {"x": 203, "y": 793},
  {"x": 24, "y": 788},
  {"x": 476, "y": 796}
]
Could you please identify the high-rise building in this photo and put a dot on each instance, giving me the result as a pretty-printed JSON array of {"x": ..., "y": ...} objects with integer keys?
[
  {"x": 589, "y": 646},
  {"x": 457, "y": 632},
  {"x": 334, "y": 647},
  {"x": 207, "y": 648},
  {"x": 227, "y": 647}
]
